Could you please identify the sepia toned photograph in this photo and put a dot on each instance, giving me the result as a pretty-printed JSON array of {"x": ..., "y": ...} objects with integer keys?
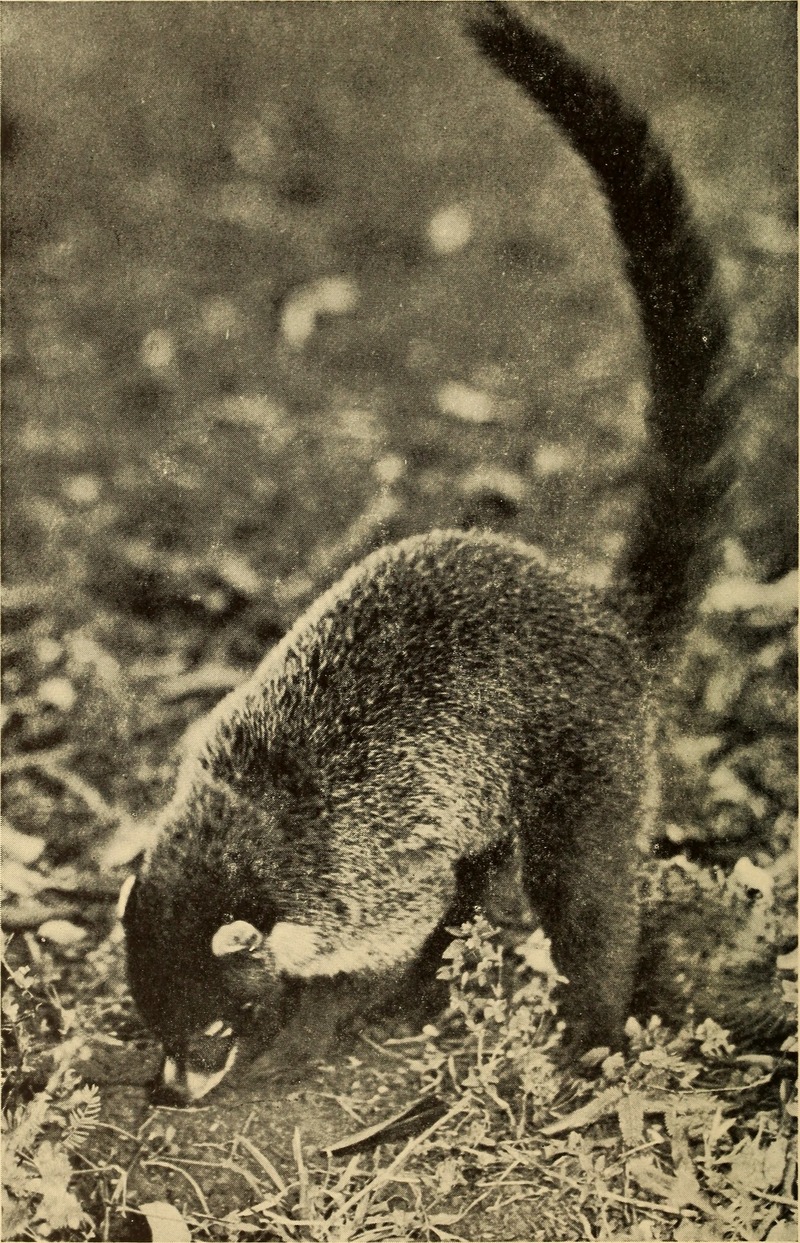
[{"x": 399, "y": 621}]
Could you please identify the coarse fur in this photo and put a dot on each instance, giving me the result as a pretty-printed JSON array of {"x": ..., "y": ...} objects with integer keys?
[{"x": 452, "y": 698}]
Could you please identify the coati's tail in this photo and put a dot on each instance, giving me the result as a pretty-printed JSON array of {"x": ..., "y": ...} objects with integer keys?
[{"x": 671, "y": 271}]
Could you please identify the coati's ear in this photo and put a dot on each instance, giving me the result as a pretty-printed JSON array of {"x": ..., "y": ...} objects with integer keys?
[
  {"x": 234, "y": 937},
  {"x": 124, "y": 895}
]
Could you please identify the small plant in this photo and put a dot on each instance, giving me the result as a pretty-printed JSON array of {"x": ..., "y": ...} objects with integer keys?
[
  {"x": 509, "y": 1015},
  {"x": 681, "y": 1120},
  {"x": 41, "y": 1128}
]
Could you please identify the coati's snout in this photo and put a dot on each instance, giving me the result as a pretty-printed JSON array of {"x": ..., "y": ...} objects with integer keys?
[{"x": 190, "y": 1072}]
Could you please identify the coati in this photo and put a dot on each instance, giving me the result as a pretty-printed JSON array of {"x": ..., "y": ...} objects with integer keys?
[{"x": 452, "y": 697}]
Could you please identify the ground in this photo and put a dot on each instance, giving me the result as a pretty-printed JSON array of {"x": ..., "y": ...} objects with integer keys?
[{"x": 281, "y": 283}]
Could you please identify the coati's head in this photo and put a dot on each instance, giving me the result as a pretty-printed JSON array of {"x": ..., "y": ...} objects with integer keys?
[
  {"x": 208, "y": 950},
  {"x": 212, "y": 991}
]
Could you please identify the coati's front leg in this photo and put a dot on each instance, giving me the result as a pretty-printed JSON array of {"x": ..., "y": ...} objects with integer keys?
[
  {"x": 579, "y": 864},
  {"x": 317, "y": 1014},
  {"x": 354, "y": 960}
]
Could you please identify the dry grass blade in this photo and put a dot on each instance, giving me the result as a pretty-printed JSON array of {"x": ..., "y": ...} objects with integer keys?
[
  {"x": 167, "y": 1165},
  {"x": 302, "y": 1173},
  {"x": 385, "y": 1176},
  {"x": 600, "y": 1107},
  {"x": 263, "y": 1161}
]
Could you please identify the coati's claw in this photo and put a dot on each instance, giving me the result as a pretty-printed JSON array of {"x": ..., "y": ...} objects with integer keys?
[{"x": 124, "y": 894}]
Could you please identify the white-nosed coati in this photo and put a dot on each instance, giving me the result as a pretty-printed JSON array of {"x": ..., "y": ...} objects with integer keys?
[{"x": 451, "y": 696}]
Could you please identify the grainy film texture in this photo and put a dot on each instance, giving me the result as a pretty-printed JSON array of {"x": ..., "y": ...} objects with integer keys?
[{"x": 285, "y": 284}]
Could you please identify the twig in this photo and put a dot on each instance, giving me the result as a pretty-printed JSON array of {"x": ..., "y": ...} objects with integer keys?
[
  {"x": 51, "y": 763},
  {"x": 644, "y": 1204},
  {"x": 379, "y": 1048},
  {"x": 87, "y": 793},
  {"x": 30, "y": 914},
  {"x": 227, "y": 1164},
  {"x": 53, "y": 758},
  {"x": 212, "y": 677},
  {"x": 109, "y": 1126},
  {"x": 420, "y": 1038},
  {"x": 761, "y": 1195},
  {"x": 344, "y": 1105},
  {"x": 791, "y": 1171},
  {"x": 126, "y": 843},
  {"x": 475, "y": 1202}
]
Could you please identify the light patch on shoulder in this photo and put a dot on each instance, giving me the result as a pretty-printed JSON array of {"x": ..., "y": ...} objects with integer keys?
[
  {"x": 124, "y": 894},
  {"x": 294, "y": 947},
  {"x": 199, "y": 1085},
  {"x": 169, "y": 1074},
  {"x": 373, "y": 952},
  {"x": 297, "y": 952}
]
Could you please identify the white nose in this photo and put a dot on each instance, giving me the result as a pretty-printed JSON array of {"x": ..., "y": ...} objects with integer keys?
[{"x": 192, "y": 1085}]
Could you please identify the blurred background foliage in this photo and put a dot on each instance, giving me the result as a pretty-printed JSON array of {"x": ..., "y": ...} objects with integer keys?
[{"x": 285, "y": 281}]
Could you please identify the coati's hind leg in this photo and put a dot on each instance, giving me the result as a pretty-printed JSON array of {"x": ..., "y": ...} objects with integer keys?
[{"x": 579, "y": 866}]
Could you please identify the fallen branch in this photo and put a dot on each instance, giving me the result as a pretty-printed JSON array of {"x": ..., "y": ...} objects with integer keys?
[
  {"x": 415, "y": 1117},
  {"x": 30, "y": 914}
]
